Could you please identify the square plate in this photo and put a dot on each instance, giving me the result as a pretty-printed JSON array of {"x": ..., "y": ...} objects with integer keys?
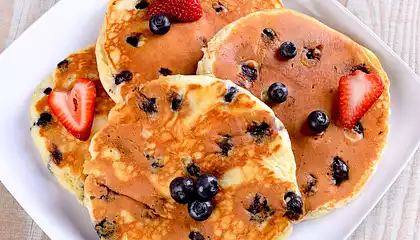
[{"x": 71, "y": 25}]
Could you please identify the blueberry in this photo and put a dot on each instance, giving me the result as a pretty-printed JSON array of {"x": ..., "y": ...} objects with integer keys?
[
  {"x": 277, "y": 92},
  {"x": 156, "y": 164},
  {"x": 225, "y": 145},
  {"x": 230, "y": 94},
  {"x": 318, "y": 121},
  {"x": 182, "y": 189},
  {"x": 150, "y": 106},
  {"x": 165, "y": 71},
  {"x": 259, "y": 130},
  {"x": 142, "y": 5},
  {"x": 159, "y": 24},
  {"x": 195, "y": 236},
  {"x": 340, "y": 171},
  {"x": 358, "y": 128},
  {"x": 63, "y": 65},
  {"x": 123, "y": 76},
  {"x": 148, "y": 156},
  {"x": 44, "y": 119},
  {"x": 269, "y": 33},
  {"x": 56, "y": 155},
  {"x": 218, "y": 7},
  {"x": 207, "y": 186},
  {"x": 259, "y": 209},
  {"x": 362, "y": 67},
  {"x": 314, "y": 53},
  {"x": 294, "y": 205},
  {"x": 200, "y": 210},
  {"x": 176, "y": 101},
  {"x": 105, "y": 229},
  {"x": 47, "y": 91},
  {"x": 288, "y": 50},
  {"x": 133, "y": 40},
  {"x": 193, "y": 170},
  {"x": 249, "y": 72},
  {"x": 256, "y": 206}
]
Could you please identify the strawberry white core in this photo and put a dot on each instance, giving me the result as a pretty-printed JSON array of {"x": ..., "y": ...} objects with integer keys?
[
  {"x": 75, "y": 108},
  {"x": 359, "y": 86}
]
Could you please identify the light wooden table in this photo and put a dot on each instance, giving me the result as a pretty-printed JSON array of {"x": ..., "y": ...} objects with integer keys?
[{"x": 397, "y": 22}]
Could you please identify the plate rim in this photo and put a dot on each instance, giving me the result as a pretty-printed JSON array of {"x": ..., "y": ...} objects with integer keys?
[{"x": 417, "y": 144}]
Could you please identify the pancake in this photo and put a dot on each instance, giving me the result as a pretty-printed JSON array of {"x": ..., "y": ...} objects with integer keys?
[
  {"x": 62, "y": 153},
  {"x": 323, "y": 57},
  {"x": 122, "y": 66},
  {"x": 171, "y": 124}
]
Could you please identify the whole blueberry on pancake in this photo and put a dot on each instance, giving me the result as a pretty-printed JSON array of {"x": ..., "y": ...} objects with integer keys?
[
  {"x": 288, "y": 50},
  {"x": 294, "y": 205},
  {"x": 318, "y": 121},
  {"x": 277, "y": 93},
  {"x": 62, "y": 141},
  {"x": 131, "y": 38},
  {"x": 337, "y": 103},
  {"x": 159, "y": 24},
  {"x": 182, "y": 189},
  {"x": 207, "y": 186},
  {"x": 230, "y": 151},
  {"x": 200, "y": 210},
  {"x": 340, "y": 171}
]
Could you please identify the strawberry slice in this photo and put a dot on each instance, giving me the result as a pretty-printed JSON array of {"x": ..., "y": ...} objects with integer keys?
[
  {"x": 358, "y": 91},
  {"x": 179, "y": 10},
  {"x": 75, "y": 108}
]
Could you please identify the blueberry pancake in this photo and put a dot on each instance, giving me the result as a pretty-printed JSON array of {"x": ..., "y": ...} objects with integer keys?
[
  {"x": 129, "y": 54},
  {"x": 192, "y": 157},
  {"x": 331, "y": 93},
  {"x": 64, "y": 154}
]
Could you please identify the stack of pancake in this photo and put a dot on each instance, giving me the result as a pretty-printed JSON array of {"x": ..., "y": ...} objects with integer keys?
[{"x": 251, "y": 94}]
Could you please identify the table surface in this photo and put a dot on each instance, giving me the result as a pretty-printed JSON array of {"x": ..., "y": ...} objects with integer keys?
[{"x": 397, "y": 216}]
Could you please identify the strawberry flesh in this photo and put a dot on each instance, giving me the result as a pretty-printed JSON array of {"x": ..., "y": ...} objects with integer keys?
[
  {"x": 75, "y": 109},
  {"x": 358, "y": 91},
  {"x": 179, "y": 10}
]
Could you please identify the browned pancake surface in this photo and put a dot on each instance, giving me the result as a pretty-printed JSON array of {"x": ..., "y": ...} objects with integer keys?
[
  {"x": 176, "y": 52},
  {"x": 312, "y": 85},
  {"x": 67, "y": 152},
  {"x": 147, "y": 144}
]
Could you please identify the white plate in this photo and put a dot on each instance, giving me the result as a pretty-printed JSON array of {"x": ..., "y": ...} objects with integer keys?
[{"x": 72, "y": 24}]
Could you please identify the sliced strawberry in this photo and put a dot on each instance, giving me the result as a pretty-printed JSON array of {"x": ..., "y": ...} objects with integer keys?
[
  {"x": 75, "y": 109},
  {"x": 179, "y": 10},
  {"x": 358, "y": 92}
]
